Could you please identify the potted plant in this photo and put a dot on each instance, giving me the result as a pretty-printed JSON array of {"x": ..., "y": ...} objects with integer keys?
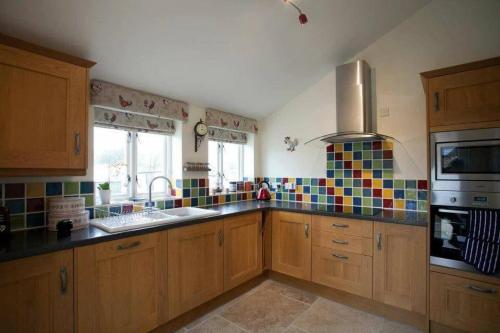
[{"x": 104, "y": 193}]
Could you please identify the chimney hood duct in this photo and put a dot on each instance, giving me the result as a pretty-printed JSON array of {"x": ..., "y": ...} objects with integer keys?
[{"x": 354, "y": 112}]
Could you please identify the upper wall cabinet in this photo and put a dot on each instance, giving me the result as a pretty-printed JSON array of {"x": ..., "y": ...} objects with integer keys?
[
  {"x": 43, "y": 111},
  {"x": 464, "y": 97}
]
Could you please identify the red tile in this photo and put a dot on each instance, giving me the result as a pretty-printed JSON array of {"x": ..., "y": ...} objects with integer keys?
[
  {"x": 35, "y": 205},
  {"x": 338, "y": 156},
  {"x": 422, "y": 184},
  {"x": 377, "y": 193},
  {"x": 387, "y": 154},
  {"x": 201, "y": 182},
  {"x": 330, "y": 149},
  {"x": 215, "y": 200},
  {"x": 14, "y": 191},
  {"x": 339, "y": 200},
  {"x": 322, "y": 182},
  {"x": 347, "y": 164},
  {"x": 387, "y": 203},
  {"x": 298, "y": 197},
  {"x": 377, "y": 145},
  {"x": 173, "y": 192},
  {"x": 367, "y": 183},
  {"x": 284, "y": 181},
  {"x": 356, "y": 173},
  {"x": 330, "y": 190},
  {"x": 178, "y": 203},
  {"x": 339, "y": 209},
  {"x": 244, "y": 196}
]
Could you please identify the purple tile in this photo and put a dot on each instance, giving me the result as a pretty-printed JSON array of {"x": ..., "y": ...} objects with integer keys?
[
  {"x": 35, "y": 205},
  {"x": 14, "y": 191}
]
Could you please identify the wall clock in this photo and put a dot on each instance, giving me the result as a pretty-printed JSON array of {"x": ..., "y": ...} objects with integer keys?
[{"x": 200, "y": 130}]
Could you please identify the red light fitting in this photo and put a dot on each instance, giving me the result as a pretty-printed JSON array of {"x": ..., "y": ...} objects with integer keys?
[{"x": 302, "y": 17}]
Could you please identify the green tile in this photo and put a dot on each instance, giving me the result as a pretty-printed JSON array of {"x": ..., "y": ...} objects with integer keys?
[
  {"x": 202, "y": 201},
  {"x": 338, "y": 174},
  {"x": 422, "y": 206},
  {"x": 160, "y": 204},
  {"x": 357, "y": 192},
  {"x": 399, "y": 183},
  {"x": 357, "y": 146},
  {"x": 234, "y": 197},
  {"x": 387, "y": 174},
  {"x": 89, "y": 200},
  {"x": 348, "y": 182},
  {"x": 285, "y": 196},
  {"x": 410, "y": 194},
  {"x": 314, "y": 189},
  {"x": 100, "y": 212},
  {"x": 330, "y": 165},
  {"x": 306, "y": 181},
  {"x": 377, "y": 164},
  {"x": 194, "y": 192},
  {"x": 367, "y": 154},
  {"x": 186, "y": 183},
  {"x": 71, "y": 188},
  {"x": 367, "y": 202},
  {"x": 322, "y": 199},
  {"x": 17, "y": 222}
]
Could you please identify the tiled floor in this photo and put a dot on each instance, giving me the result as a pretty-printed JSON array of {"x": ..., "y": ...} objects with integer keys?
[{"x": 274, "y": 307}]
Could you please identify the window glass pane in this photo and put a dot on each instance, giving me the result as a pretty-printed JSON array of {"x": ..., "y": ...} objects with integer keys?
[
  {"x": 213, "y": 156},
  {"x": 231, "y": 163},
  {"x": 110, "y": 159},
  {"x": 151, "y": 162}
]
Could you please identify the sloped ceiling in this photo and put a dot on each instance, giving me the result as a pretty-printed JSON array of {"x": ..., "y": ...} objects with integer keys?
[{"x": 244, "y": 56}]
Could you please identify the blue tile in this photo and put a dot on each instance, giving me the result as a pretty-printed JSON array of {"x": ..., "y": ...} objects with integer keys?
[
  {"x": 357, "y": 155},
  {"x": 298, "y": 181},
  {"x": 387, "y": 164},
  {"x": 186, "y": 193},
  {"x": 91, "y": 212},
  {"x": 367, "y": 164},
  {"x": 170, "y": 204},
  {"x": 367, "y": 145},
  {"x": 339, "y": 182},
  {"x": 330, "y": 156},
  {"x": 202, "y": 191},
  {"x": 348, "y": 191},
  {"x": 86, "y": 187},
  {"x": 238, "y": 196},
  {"x": 314, "y": 198},
  {"x": 377, "y": 154},
  {"x": 115, "y": 209},
  {"x": 367, "y": 192},
  {"x": 314, "y": 181},
  {"x": 322, "y": 190},
  {"x": 377, "y": 202},
  {"x": 15, "y": 206},
  {"x": 228, "y": 197},
  {"x": 356, "y": 183},
  {"x": 291, "y": 197},
  {"x": 339, "y": 165},
  {"x": 411, "y": 183},
  {"x": 329, "y": 199},
  {"x": 306, "y": 189},
  {"x": 209, "y": 200},
  {"x": 357, "y": 210},
  {"x": 278, "y": 196},
  {"x": 329, "y": 174},
  {"x": 399, "y": 194},
  {"x": 411, "y": 205},
  {"x": 194, "y": 202},
  {"x": 347, "y": 146},
  {"x": 194, "y": 182},
  {"x": 356, "y": 201},
  {"x": 35, "y": 220},
  {"x": 388, "y": 183},
  {"x": 422, "y": 195},
  {"x": 178, "y": 183},
  {"x": 347, "y": 173},
  {"x": 377, "y": 173},
  {"x": 56, "y": 189}
]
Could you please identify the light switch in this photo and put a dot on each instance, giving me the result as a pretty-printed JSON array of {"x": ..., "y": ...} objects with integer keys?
[{"x": 384, "y": 112}]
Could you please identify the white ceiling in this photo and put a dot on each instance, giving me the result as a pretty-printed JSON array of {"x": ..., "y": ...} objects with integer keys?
[{"x": 249, "y": 57}]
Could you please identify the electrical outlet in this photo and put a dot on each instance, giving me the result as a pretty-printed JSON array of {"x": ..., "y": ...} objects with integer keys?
[{"x": 384, "y": 112}]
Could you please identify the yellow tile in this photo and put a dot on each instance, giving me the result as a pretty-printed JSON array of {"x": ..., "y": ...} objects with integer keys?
[
  {"x": 186, "y": 202},
  {"x": 357, "y": 165},
  {"x": 138, "y": 208},
  {"x": 273, "y": 195},
  {"x": 298, "y": 189},
  {"x": 35, "y": 190},
  {"x": 387, "y": 145},
  {"x": 330, "y": 182},
  {"x": 306, "y": 198},
  {"x": 339, "y": 147},
  {"x": 222, "y": 199},
  {"x": 399, "y": 204},
  {"x": 367, "y": 174},
  {"x": 339, "y": 191},
  {"x": 377, "y": 183},
  {"x": 347, "y": 209},
  {"x": 291, "y": 180},
  {"x": 387, "y": 194},
  {"x": 348, "y": 201},
  {"x": 348, "y": 156}
]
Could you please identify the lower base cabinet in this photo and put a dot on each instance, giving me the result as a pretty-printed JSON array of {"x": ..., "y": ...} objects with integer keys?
[
  {"x": 121, "y": 285},
  {"x": 464, "y": 304},
  {"x": 36, "y": 294}
]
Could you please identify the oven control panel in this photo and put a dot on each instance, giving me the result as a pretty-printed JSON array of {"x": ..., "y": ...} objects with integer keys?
[{"x": 466, "y": 199}]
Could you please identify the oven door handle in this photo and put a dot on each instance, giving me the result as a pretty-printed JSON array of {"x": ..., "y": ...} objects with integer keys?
[{"x": 453, "y": 211}]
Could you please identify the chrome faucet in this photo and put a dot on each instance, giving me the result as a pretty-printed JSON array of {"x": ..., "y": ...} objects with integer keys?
[{"x": 151, "y": 187}]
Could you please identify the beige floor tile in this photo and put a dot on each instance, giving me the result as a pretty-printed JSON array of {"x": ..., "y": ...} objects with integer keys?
[
  {"x": 264, "y": 311},
  {"x": 288, "y": 291},
  {"x": 216, "y": 324},
  {"x": 395, "y": 327},
  {"x": 293, "y": 329}
]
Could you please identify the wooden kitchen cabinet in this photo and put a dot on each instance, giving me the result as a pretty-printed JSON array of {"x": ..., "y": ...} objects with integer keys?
[
  {"x": 291, "y": 244},
  {"x": 464, "y": 97},
  {"x": 121, "y": 285},
  {"x": 195, "y": 265},
  {"x": 242, "y": 248},
  {"x": 400, "y": 266},
  {"x": 464, "y": 304},
  {"x": 37, "y": 294},
  {"x": 43, "y": 106}
]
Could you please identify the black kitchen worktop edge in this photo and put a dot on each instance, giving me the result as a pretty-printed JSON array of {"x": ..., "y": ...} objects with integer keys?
[{"x": 29, "y": 243}]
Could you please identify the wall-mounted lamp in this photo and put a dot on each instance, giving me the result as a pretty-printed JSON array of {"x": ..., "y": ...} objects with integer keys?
[
  {"x": 302, "y": 16},
  {"x": 291, "y": 143}
]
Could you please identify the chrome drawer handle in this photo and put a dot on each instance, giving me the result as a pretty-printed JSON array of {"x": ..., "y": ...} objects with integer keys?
[
  {"x": 338, "y": 241},
  {"x": 77, "y": 144},
  {"x": 379, "y": 241},
  {"x": 306, "y": 230},
  {"x": 340, "y": 225},
  {"x": 482, "y": 290},
  {"x": 128, "y": 246},
  {"x": 340, "y": 256},
  {"x": 221, "y": 237},
  {"x": 436, "y": 101},
  {"x": 63, "y": 273}
]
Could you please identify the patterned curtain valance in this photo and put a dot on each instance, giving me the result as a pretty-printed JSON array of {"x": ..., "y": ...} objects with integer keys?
[
  {"x": 112, "y": 96},
  {"x": 229, "y": 121},
  {"x": 130, "y": 121},
  {"x": 223, "y": 135}
]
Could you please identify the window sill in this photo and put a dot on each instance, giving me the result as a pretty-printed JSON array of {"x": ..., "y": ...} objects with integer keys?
[{"x": 139, "y": 201}]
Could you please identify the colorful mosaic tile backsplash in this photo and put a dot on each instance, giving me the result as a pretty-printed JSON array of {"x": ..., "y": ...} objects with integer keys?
[
  {"x": 27, "y": 201},
  {"x": 358, "y": 174}
]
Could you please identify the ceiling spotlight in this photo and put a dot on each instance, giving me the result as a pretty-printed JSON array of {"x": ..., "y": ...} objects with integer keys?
[{"x": 302, "y": 16}]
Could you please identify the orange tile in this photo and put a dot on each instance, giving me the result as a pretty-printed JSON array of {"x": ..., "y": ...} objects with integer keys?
[
  {"x": 348, "y": 156},
  {"x": 35, "y": 190},
  {"x": 357, "y": 165},
  {"x": 347, "y": 209},
  {"x": 339, "y": 191},
  {"x": 306, "y": 198},
  {"x": 367, "y": 174},
  {"x": 330, "y": 182},
  {"x": 377, "y": 183},
  {"x": 387, "y": 145},
  {"x": 399, "y": 204},
  {"x": 298, "y": 189},
  {"x": 339, "y": 147},
  {"x": 348, "y": 201},
  {"x": 387, "y": 194},
  {"x": 186, "y": 202}
]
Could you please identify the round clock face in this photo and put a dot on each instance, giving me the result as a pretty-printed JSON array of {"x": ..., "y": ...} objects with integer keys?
[{"x": 201, "y": 129}]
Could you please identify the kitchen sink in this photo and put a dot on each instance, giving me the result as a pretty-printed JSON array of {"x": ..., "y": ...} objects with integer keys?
[{"x": 149, "y": 218}]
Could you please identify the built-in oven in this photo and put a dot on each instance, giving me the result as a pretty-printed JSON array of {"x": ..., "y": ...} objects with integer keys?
[{"x": 467, "y": 160}]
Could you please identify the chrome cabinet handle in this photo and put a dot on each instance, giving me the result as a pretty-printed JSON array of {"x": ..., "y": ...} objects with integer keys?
[
  {"x": 63, "y": 274},
  {"x": 379, "y": 241},
  {"x": 77, "y": 144},
  {"x": 482, "y": 290},
  {"x": 128, "y": 246},
  {"x": 340, "y": 225},
  {"x": 340, "y": 256},
  {"x": 306, "y": 230},
  {"x": 221, "y": 237},
  {"x": 338, "y": 241},
  {"x": 436, "y": 101},
  {"x": 453, "y": 211}
]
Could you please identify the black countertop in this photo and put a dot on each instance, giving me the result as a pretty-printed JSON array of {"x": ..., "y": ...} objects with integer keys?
[{"x": 40, "y": 241}]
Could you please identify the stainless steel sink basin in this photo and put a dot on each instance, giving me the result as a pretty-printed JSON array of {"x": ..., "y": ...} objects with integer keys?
[{"x": 190, "y": 212}]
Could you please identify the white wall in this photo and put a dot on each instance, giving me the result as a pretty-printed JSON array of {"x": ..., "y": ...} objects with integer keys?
[{"x": 443, "y": 33}]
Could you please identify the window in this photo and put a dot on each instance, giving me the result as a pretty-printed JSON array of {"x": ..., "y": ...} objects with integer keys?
[
  {"x": 129, "y": 160},
  {"x": 226, "y": 162}
]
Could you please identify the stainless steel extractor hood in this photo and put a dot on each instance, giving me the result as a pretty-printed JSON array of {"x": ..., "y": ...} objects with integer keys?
[{"x": 353, "y": 99}]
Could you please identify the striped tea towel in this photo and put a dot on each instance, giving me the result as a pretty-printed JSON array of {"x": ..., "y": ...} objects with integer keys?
[{"x": 482, "y": 244}]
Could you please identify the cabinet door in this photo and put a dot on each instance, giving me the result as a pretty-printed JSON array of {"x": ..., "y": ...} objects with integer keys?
[
  {"x": 342, "y": 270},
  {"x": 37, "y": 294},
  {"x": 195, "y": 264},
  {"x": 465, "y": 98},
  {"x": 292, "y": 244},
  {"x": 242, "y": 248},
  {"x": 465, "y": 304},
  {"x": 121, "y": 285},
  {"x": 400, "y": 266},
  {"x": 43, "y": 112}
]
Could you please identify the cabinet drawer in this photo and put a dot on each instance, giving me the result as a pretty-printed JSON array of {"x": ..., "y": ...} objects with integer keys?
[
  {"x": 342, "y": 270},
  {"x": 353, "y": 227},
  {"x": 465, "y": 304},
  {"x": 337, "y": 240}
]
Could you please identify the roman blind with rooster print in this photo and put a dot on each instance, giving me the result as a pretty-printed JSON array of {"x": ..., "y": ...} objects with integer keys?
[{"x": 228, "y": 127}]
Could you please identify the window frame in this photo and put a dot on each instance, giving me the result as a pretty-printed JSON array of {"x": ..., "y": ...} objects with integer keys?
[{"x": 220, "y": 176}]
